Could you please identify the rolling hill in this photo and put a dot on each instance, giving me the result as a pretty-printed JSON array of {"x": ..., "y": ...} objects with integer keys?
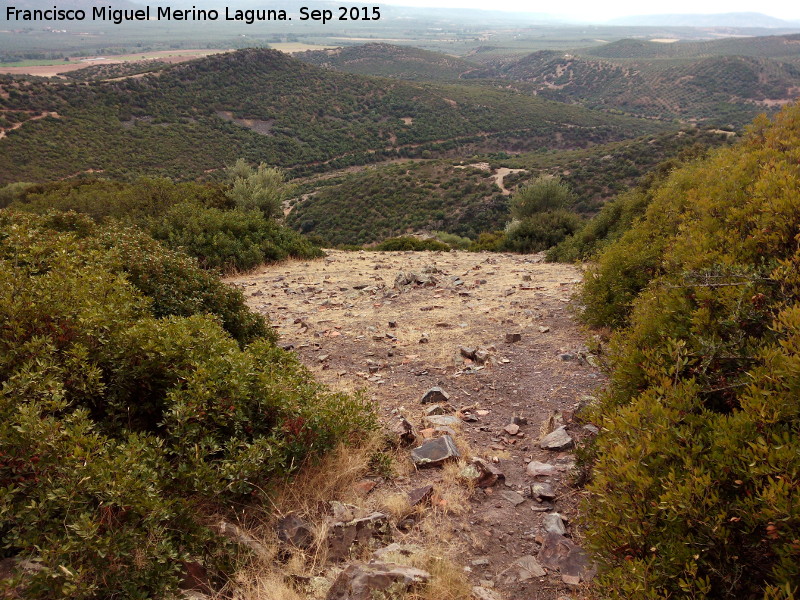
[
  {"x": 263, "y": 105},
  {"x": 465, "y": 199},
  {"x": 724, "y": 89},
  {"x": 388, "y": 60}
]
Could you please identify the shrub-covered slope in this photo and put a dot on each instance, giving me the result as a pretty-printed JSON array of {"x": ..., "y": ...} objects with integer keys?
[
  {"x": 388, "y": 60},
  {"x": 200, "y": 219},
  {"x": 723, "y": 90},
  {"x": 387, "y": 200},
  {"x": 695, "y": 490},
  {"x": 264, "y": 106},
  {"x": 128, "y": 409}
]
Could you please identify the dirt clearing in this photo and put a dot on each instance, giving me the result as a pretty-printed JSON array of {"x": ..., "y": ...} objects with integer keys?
[{"x": 496, "y": 333}]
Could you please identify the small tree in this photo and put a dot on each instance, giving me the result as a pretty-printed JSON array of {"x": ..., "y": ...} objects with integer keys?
[
  {"x": 544, "y": 194},
  {"x": 263, "y": 189}
]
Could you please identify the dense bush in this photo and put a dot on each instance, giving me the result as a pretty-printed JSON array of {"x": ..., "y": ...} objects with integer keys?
[
  {"x": 543, "y": 194},
  {"x": 695, "y": 490},
  {"x": 198, "y": 218},
  {"x": 615, "y": 218},
  {"x": 411, "y": 243},
  {"x": 540, "y": 231},
  {"x": 229, "y": 240},
  {"x": 118, "y": 426}
]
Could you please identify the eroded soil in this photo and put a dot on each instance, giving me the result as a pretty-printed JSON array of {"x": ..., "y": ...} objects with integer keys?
[{"x": 356, "y": 329}]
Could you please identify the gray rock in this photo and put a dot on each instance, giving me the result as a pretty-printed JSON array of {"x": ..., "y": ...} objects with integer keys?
[
  {"x": 480, "y": 562},
  {"x": 592, "y": 429},
  {"x": 435, "y": 452},
  {"x": 542, "y": 491},
  {"x": 295, "y": 531},
  {"x": 362, "y": 581},
  {"x": 488, "y": 474},
  {"x": 566, "y": 356},
  {"x": 481, "y": 355},
  {"x": 482, "y": 593},
  {"x": 442, "y": 420},
  {"x": 540, "y": 469},
  {"x": 343, "y": 536},
  {"x": 404, "y": 431},
  {"x": 529, "y": 568},
  {"x": 420, "y": 495},
  {"x": 435, "y": 395},
  {"x": 553, "y": 523},
  {"x": 396, "y": 549},
  {"x": 438, "y": 409},
  {"x": 512, "y": 338},
  {"x": 513, "y": 497},
  {"x": 511, "y": 429},
  {"x": 571, "y": 560},
  {"x": 556, "y": 440}
]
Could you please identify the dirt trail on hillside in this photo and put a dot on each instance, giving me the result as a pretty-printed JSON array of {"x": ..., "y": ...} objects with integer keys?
[{"x": 395, "y": 324}]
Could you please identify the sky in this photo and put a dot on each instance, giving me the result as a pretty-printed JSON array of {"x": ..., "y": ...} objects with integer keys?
[{"x": 599, "y": 11}]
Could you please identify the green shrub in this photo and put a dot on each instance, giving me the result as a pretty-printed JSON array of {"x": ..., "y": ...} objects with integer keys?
[
  {"x": 541, "y": 231},
  {"x": 490, "y": 241},
  {"x": 119, "y": 427},
  {"x": 453, "y": 240},
  {"x": 695, "y": 490},
  {"x": 229, "y": 240},
  {"x": 544, "y": 194},
  {"x": 615, "y": 218},
  {"x": 411, "y": 243},
  {"x": 200, "y": 219}
]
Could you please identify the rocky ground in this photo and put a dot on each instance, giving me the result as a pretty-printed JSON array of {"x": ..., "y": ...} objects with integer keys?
[{"x": 495, "y": 333}]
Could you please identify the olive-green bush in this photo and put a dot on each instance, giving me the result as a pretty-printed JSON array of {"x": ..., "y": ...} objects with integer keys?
[
  {"x": 200, "y": 219},
  {"x": 540, "y": 231},
  {"x": 398, "y": 244},
  {"x": 229, "y": 240},
  {"x": 124, "y": 415},
  {"x": 696, "y": 489}
]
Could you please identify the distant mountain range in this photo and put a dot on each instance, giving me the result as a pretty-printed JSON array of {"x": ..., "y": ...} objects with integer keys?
[{"x": 734, "y": 19}]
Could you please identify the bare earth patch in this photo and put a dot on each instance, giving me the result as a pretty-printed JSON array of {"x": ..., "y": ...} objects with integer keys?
[{"x": 355, "y": 329}]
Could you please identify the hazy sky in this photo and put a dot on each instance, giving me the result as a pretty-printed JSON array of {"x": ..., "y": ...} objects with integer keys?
[{"x": 599, "y": 11}]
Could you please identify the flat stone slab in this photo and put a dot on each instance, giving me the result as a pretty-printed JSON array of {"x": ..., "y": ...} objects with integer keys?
[
  {"x": 529, "y": 568},
  {"x": 435, "y": 452},
  {"x": 557, "y": 440},
  {"x": 540, "y": 469},
  {"x": 435, "y": 395},
  {"x": 513, "y": 497},
  {"x": 443, "y": 420},
  {"x": 362, "y": 581},
  {"x": 553, "y": 523}
]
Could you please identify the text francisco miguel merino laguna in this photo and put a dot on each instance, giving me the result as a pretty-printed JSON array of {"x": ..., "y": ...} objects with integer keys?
[{"x": 165, "y": 13}]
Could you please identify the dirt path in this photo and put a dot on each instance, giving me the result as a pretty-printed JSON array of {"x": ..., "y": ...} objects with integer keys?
[
  {"x": 355, "y": 329},
  {"x": 4, "y": 132},
  {"x": 500, "y": 176}
]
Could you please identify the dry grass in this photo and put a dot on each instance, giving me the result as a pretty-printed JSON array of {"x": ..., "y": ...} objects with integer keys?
[{"x": 284, "y": 573}]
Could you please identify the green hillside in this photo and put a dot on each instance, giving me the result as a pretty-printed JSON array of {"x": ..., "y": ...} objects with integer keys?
[
  {"x": 265, "y": 106},
  {"x": 387, "y": 60},
  {"x": 722, "y": 90},
  {"x": 385, "y": 201},
  {"x": 774, "y": 46}
]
